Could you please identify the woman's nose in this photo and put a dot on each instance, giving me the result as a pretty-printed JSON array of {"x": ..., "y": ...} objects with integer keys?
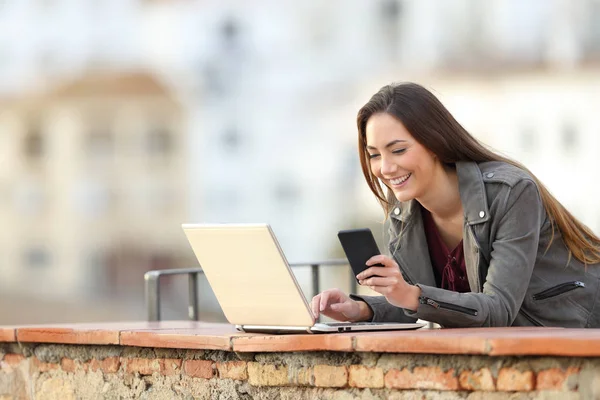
[{"x": 387, "y": 167}]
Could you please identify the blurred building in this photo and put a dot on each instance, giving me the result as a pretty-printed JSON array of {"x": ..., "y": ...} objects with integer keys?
[
  {"x": 94, "y": 186},
  {"x": 546, "y": 119},
  {"x": 257, "y": 123}
]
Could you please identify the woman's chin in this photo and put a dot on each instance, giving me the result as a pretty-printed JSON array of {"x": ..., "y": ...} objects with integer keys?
[{"x": 402, "y": 195}]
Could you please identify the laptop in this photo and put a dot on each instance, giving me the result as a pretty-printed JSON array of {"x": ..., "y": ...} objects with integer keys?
[{"x": 255, "y": 285}]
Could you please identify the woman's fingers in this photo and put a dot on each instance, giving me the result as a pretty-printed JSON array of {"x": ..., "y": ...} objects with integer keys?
[
  {"x": 375, "y": 271},
  {"x": 377, "y": 281},
  {"x": 379, "y": 265},
  {"x": 315, "y": 305},
  {"x": 324, "y": 301}
]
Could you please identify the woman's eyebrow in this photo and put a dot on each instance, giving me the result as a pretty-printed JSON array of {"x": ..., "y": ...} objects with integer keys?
[{"x": 393, "y": 142}]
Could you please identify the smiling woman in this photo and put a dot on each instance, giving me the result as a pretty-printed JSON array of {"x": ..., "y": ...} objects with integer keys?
[{"x": 475, "y": 238}]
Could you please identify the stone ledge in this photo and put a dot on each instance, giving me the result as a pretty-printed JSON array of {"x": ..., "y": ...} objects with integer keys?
[
  {"x": 77, "y": 371},
  {"x": 212, "y": 336}
]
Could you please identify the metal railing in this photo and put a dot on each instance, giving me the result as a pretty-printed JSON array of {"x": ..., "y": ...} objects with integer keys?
[{"x": 152, "y": 285}]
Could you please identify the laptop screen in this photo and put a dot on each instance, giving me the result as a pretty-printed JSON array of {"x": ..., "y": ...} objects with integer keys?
[{"x": 249, "y": 274}]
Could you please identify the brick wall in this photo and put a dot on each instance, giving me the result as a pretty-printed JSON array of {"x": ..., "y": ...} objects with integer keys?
[{"x": 96, "y": 372}]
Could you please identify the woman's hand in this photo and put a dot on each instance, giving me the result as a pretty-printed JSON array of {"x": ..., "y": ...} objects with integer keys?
[
  {"x": 388, "y": 281},
  {"x": 336, "y": 304}
]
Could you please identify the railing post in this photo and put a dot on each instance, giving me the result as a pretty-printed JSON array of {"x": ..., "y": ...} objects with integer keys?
[
  {"x": 316, "y": 286},
  {"x": 193, "y": 296},
  {"x": 152, "y": 288}
]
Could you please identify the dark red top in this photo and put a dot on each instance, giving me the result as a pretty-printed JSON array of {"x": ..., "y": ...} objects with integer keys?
[{"x": 448, "y": 266}]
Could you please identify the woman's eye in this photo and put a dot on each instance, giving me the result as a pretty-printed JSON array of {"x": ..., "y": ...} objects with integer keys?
[
  {"x": 398, "y": 151},
  {"x": 372, "y": 156}
]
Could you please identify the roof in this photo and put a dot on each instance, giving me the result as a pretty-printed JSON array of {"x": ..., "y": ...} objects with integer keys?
[{"x": 131, "y": 83}]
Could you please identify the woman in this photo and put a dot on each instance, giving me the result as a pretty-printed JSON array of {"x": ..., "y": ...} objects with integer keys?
[{"x": 475, "y": 238}]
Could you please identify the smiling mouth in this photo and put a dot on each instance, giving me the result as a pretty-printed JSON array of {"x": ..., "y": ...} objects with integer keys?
[{"x": 400, "y": 180}]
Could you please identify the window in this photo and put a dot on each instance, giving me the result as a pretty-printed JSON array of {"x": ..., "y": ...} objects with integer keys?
[
  {"x": 159, "y": 141},
  {"x": 99, "y": 143},
  {"x": 230, "y": 33},
  {"x": 286, "y": 191},
  {"x": 36, "y": 257},
  {"x": 390, "y": 12},
  {"x": 34, "y": 146},
  {"x": 231, "y": 139},
  {"x": 96, "y": 263}
]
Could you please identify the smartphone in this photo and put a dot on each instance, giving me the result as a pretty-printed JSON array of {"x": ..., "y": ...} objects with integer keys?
[{"x": 359, "y": 245}]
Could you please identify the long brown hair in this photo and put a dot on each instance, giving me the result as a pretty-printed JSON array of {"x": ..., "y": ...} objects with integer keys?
[{"x": 432, "y": 125}]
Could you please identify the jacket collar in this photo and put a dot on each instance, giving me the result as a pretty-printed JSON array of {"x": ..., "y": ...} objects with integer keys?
[{"x": 472, "y": 195}]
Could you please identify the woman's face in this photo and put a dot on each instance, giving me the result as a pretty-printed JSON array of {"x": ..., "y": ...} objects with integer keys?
[{"x": 397, "y": 159}]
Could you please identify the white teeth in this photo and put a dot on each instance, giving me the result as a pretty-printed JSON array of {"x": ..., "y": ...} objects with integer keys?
[{"x": 400, "y": 180}]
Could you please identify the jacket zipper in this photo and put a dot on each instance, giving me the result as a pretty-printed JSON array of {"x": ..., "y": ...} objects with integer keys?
[
  {"x": 448, "y": 306},
  {"x": 559, "y": 289}
]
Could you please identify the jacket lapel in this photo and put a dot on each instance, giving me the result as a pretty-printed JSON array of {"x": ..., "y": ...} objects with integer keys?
[
  {"x": 412, "y": 253},
  {"x": 474, "y": 200}
]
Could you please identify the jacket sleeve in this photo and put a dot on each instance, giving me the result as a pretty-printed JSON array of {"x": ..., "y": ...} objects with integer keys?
[
  {"x": 513, "y": 255},
  {"x": 384, "y": 311}
]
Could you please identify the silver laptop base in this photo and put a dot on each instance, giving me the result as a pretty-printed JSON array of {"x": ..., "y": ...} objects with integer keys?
[{"x": 335, "y": 327}]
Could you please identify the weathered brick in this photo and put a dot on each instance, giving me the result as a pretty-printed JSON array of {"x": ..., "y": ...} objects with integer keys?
[
  {"x": 481, "y": 380},
  {"x": 199, "y": 368},
  {"x": 143, "y": 366},
  {"x": 555, "y": 378},
  {"x": 303, "y": 376},
  {"x": 267, "y": 374},
  {"x": 300, "y": 376},
  {"x": 511, "y": 379},
  {"x": 365, "y": 377},
  {"x": 108, "y": 365},
  {"x": 13, "y": 359},
  {"x": 38, "y": 366},
  {"x": 236, "y": 370},
  {"x": 330, "y": 376},
  {"x": 170, "y": 366},
  {"x": 421, "y": 378},
  {"x": 68, "y": 365}
]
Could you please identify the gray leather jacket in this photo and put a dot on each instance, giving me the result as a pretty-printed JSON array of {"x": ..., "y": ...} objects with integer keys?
[{"x": 515, "y": 279}]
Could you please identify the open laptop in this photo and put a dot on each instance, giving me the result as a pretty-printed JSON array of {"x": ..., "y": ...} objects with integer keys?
[{"x": 254, "y": 283}]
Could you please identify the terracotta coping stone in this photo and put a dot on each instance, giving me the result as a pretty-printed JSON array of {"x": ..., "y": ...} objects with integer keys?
[
  {"x": 7, "y": 334},
  {"x": 442, "y": 341},
  {"x": 565, "y": 342},
  {"x": 91, "y": 333},
  {"x": 213, "y": 336},
  {"x": 208, "y": 338}
]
